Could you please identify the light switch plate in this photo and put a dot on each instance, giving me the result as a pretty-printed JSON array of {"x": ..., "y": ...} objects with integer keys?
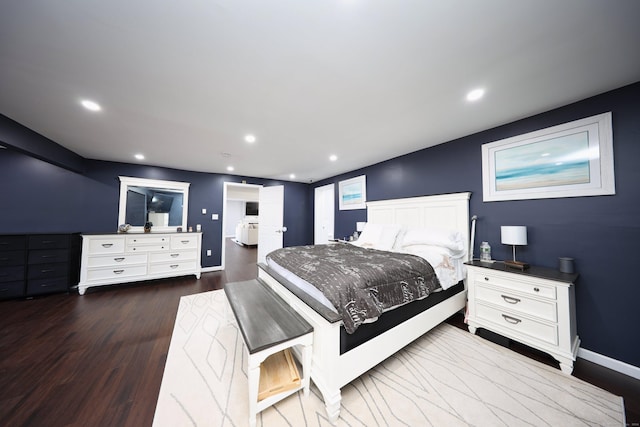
[
  {"x": 198, "y": 227},
  {"x": 204, "y": 211},
  {"x": 214, "y": 217}
]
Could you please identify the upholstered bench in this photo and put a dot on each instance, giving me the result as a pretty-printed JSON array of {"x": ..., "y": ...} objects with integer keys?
[{"x": 268, "y": 326}]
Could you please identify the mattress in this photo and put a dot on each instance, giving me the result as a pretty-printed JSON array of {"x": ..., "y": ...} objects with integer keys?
[{"x": 360, "y": 284}]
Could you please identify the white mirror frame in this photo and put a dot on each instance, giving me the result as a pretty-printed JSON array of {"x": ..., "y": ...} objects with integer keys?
[{"x": 178, "y": 187}]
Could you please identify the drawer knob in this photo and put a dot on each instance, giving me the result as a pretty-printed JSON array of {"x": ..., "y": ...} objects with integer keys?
[
  {"x": 536, "y": 289},
  {"x": 486, "y": 278},
  {"x": 511, "y": 320},
  {"x": 510, "y": 300}
]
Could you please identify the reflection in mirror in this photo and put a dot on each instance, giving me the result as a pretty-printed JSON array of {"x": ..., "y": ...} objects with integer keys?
[{"x": 162, "y": 203}]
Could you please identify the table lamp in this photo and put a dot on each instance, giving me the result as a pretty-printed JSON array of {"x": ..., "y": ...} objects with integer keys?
[{"x": 515, "y": 235}]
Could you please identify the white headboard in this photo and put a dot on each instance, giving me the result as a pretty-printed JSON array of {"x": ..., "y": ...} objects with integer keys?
[{"x": 446, "y": 211}]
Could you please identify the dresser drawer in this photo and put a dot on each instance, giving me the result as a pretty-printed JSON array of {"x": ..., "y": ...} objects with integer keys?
[
  {"x": 184, "y": 242},
  {"x": 41, "y": 271},
  {"x": 116, "y": 273},
  {"x": 518, "y": 324},
  {"x": 48, "y": 256},
  {"x": 512, "y": 282},
  {"x": 11, "y": 289},
  {"x": 106, "y": 245},
  {"x": 9, "y": 243},
  {"x": 148, "y": 240},
  {"x": 45, "y": 286},
  {"x": 148, "y": 248},
  {"x": 516, "y": 302},
  {"x": 173, "y": 256},
  {"x": 56, "y": 241},
  {"x": 116, "y": 260},
  {"x": 12, "y": 273},
  {"x": 11, "y": 258},
  {"x": 172, "y": 267}
]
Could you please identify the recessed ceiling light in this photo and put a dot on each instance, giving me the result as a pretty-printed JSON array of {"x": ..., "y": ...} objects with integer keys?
[
  {"x": 475, "y": 94},
  {"x": 333, "y": 157},
  {"x": 230, "y": 168},
  {"x": 250, "y": 139},
  {"x": 91, "y": 105},
  {"x": 139, "y": 156}
]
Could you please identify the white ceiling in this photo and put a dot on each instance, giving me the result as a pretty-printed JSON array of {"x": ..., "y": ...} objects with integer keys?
[{"x": 183, "y": 81}]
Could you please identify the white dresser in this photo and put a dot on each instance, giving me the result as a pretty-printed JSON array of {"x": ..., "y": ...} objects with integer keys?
[
  {"x": 535, "y": 307},
  {"x": 120, "y": 258}
]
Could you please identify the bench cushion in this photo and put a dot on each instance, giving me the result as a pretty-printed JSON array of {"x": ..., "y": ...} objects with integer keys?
[{"x": 263, "y": 317}]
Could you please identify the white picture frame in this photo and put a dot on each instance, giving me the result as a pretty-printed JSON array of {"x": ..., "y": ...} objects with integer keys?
[
  {"x": 352, "y": 193},
  {"x": 574, "y": 159}
]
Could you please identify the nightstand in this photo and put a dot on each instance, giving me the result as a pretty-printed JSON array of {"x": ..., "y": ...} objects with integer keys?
[{"x": 535, "y": 307}]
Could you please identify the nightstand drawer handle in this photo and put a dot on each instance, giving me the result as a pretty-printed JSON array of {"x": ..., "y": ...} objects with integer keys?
[
  {"x": 174, "y": 266},
  {"x": 536, "y": 289},
  {"x": 118, "y": 271},
  {"x": 486, "y": 278},
  {"x": 511, "y": 320},
  {"x": 510, "y": 300},
  {"x": 120, "y": 259},
  {"x": 175, "y": 255},
  {"x": 107, "y": 245}
]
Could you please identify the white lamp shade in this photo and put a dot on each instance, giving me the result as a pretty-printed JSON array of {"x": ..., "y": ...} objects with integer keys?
[
  {"x": 513, "y": 234},
  {"x": 360, "y": 226}
]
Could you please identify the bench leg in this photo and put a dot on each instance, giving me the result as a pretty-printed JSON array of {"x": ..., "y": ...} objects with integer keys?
[
  {"x": 306, "y": 368},
  {"x": 253, "y": 374}
]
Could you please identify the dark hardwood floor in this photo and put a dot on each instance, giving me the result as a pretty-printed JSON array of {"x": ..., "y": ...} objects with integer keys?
[{"x": 98, "y": 359}]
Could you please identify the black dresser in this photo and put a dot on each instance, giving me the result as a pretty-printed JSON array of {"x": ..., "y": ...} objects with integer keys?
[{"x": 36, "y": 264}]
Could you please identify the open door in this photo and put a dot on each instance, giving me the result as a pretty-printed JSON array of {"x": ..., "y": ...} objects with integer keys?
[
  {"x": 323, "y": 214},
  {"x": 271, "y": 218}
]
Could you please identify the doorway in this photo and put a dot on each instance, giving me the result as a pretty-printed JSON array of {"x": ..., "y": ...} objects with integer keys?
[
  {"x": 234, "y": 211},
  {"x": 323, "y": 214}
]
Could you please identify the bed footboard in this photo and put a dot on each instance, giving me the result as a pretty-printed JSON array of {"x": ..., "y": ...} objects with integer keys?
[{"x": 330, "y": 370}]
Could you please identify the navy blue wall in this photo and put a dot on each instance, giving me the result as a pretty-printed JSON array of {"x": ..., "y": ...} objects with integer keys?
[
  {"x": 601, "y": 233},
  {"x": 41, "y": 197}
]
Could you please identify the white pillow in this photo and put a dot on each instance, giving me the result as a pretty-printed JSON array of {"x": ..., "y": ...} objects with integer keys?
[
  {"x": 378, "y": 236},
  {"x": 449, "y": 239}
]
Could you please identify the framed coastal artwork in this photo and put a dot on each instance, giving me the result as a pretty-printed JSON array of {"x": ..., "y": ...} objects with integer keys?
[
  {"x": 573, "y": 159},
  {"x": 353, "y": 193}
]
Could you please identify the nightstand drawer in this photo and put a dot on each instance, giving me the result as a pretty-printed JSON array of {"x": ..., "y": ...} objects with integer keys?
[
  {"x": 512, "y": 282},
  {"x": 517, "y": 302},
  {"x": 518, "y": 324}
]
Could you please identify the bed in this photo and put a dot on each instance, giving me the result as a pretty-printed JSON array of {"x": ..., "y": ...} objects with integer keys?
[{"x": 340, "y": 357}]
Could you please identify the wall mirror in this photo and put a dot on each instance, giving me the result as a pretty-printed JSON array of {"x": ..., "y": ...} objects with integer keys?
[{"x": 162, "y": 203}]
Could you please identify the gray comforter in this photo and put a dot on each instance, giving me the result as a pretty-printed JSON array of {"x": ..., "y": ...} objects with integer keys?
[{"x": 360, "y": 283}]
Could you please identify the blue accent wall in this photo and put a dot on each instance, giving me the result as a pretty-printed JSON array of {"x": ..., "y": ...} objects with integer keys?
[
  {"x": 41, "y": 197},
  {"x": 602, "y": 233}
]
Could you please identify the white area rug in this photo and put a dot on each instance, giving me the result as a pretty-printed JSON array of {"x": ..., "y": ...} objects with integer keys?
[{"x": 446, "y": 378}]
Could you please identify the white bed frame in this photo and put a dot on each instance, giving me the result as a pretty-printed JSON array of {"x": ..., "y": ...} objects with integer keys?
[{"x": 330, "y": 370}]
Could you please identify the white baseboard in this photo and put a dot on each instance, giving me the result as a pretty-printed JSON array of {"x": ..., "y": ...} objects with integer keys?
[
  {"x": 607, "y": 362},
  {"x": 210, "y": 269}
]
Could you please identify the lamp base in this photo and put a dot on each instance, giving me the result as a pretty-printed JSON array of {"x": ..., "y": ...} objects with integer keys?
[{"x": 516, "y": 264}]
